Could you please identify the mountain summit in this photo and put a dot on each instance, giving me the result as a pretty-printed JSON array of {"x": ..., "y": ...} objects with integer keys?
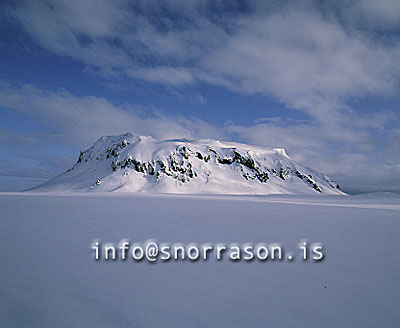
[{"x": 133, "y": 163}]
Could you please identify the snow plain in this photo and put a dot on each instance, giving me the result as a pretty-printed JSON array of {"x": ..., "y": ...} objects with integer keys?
[{"x": 48, "y": 277}]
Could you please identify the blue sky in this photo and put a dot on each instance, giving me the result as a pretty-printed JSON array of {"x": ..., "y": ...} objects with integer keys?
[{"x": 318, "y": 78}]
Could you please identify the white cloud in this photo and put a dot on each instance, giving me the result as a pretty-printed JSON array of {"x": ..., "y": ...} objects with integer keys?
[
  {"x": 296, "y": 53},
  {"x": 166, "y": 75},
  {"x": 382, "y": 15},
  {"x": 81, "y": 120}
]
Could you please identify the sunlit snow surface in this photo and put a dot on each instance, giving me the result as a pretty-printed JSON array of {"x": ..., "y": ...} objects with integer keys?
[
  {"x": 48, "y": 277},
  {"x": 134, "y": 163}
]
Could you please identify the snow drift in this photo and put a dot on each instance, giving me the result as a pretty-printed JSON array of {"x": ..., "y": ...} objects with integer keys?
[{"x": 133, "y": 163}]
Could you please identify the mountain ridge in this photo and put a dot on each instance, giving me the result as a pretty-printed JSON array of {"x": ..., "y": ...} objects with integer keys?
[{"x": 134, "y": 163}]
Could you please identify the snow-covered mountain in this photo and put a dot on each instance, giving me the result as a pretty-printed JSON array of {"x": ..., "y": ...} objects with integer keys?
[{"x": 133, "y": 163}]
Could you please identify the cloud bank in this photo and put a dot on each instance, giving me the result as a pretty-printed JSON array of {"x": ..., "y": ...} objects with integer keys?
[{"x": 303, "y": 54}]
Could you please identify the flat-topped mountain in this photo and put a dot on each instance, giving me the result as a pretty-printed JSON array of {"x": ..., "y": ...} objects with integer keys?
[{"x": 133, "y": 163}]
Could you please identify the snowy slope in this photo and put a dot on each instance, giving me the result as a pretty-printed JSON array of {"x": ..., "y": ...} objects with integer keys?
[
  {"x": 50, "y": 279},
  {"x": 133, "y": 163}
]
